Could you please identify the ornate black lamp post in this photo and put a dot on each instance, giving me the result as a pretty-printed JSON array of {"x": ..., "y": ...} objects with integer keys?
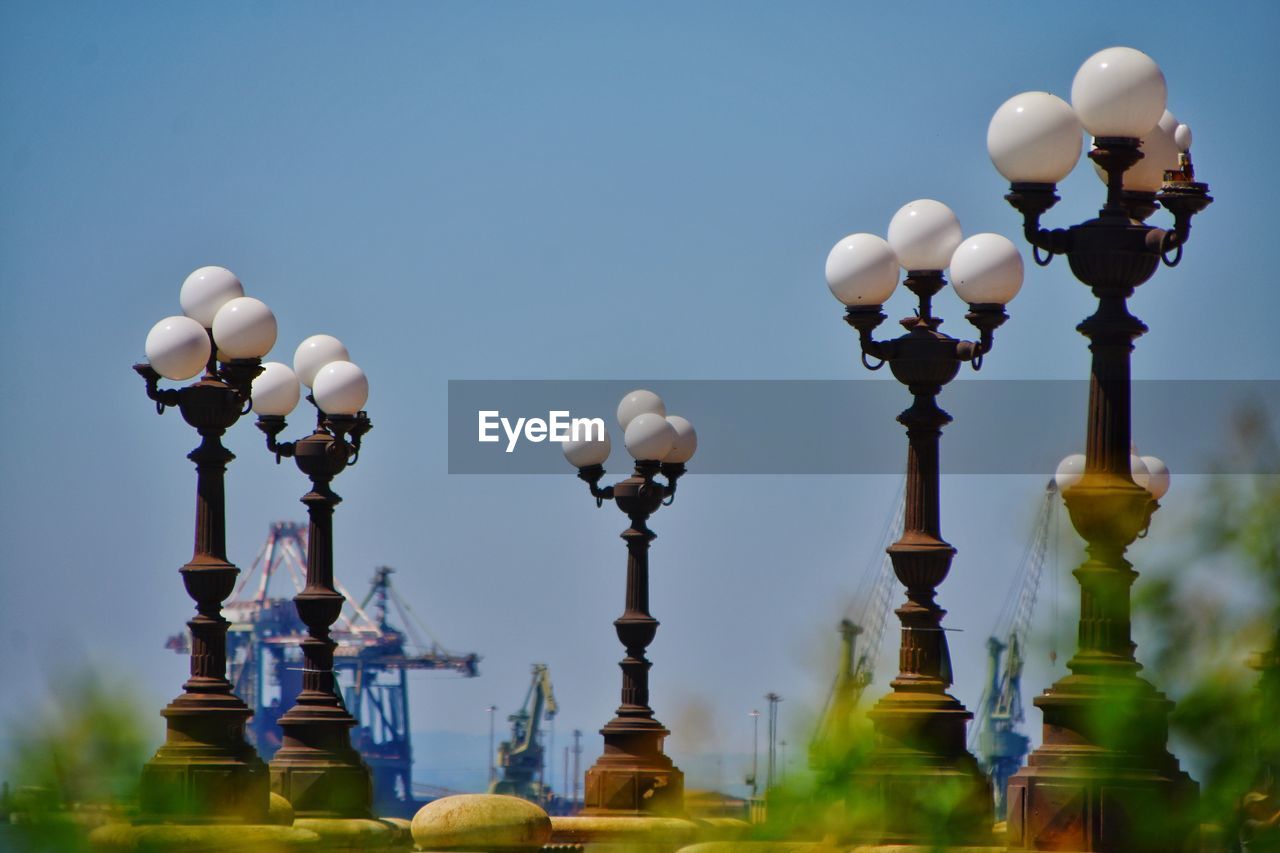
[
  {"x": 316, "y": 768},
  {"x": 1103, "y": 778},
  {"x": 206, "y": 771},
  {"x": 634, "y": 776},
  {"x": 925, "y": 785}
]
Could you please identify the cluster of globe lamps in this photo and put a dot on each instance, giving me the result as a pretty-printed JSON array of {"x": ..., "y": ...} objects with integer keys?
[
  {"x": 649, "y": 434},
  {"x": 1149, "y": 472},
  {"x": 1141, "y": 151},
  {"x": 218, "y": 319},
  {"x": 924, "y": 238}
]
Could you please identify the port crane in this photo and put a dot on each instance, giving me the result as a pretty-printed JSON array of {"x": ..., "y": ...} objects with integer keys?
[
  {"x": 522, "y": 759},
  {"x": 835, "y": 738},
  {"x": 994, "y": 737},
  {"x": 372, "y": 661}
]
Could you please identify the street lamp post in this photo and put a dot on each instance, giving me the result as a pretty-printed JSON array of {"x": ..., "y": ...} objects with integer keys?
[
  {"x": 919, "y": 727},
  {"x": 492, "y": 760},
  {"x": 755, "y": 752},
  {"x": 773, "y": 699},
  {"x": 316, "y": 768},
  {"x": 634, "y": 776},
  {"x": 1103, "y": 779},
  {"x": 206, "y": 771}
]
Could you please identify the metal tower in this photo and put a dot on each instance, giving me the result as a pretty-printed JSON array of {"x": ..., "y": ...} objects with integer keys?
[
  {"x": 994, "y": 736},
  {"x": 373, "y": 659}
]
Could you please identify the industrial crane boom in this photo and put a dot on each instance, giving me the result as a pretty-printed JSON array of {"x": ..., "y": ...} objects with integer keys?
[
  {"x": 834, "y": 735},
  {"x": 521, "y": 758},
  {"x": 994, "y": 737}
]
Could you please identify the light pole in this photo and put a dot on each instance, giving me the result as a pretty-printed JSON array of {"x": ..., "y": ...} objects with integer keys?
[
  {"x": 755, "y": 752},
  {"x": 634, "y": 776},
  {"x": 206, "y": 771},
  {"x": 773, "y": 699},
  {"x": 493, "y": 766},
  {"x": 919, "y": 727},
  {"x": 577, "y": 770},
  {"x": 1103, "y": 778},
  {"x": 316, "y": 769}
]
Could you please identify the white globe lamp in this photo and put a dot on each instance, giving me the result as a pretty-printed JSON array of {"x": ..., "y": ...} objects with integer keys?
[
  {"x": 340, "y": 388},
  {"x": 275, "y": 390},
  {"x": 862, "y": 270},
  {"x": 244, "y": 328},
  {"x": 177, "y": 347}
]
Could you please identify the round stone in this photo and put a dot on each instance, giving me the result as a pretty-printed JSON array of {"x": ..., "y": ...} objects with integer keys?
[{"x": 481, "y": 822}]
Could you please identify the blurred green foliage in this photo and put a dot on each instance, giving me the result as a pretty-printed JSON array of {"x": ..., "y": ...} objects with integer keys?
[
  {"x": 1208, "y": 613},
  {"x": 71, "y": 765}
]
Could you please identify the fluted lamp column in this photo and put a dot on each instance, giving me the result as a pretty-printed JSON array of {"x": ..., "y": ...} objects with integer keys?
[
  {"x": 921, "y": 784},
  {"x": 206, "y": 771},
  {"x": 1103, "y": 778},
  {"x": 634, "y": 776},
  {"x": 316, "y": 768}
]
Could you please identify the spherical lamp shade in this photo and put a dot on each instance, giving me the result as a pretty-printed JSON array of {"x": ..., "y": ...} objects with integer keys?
[
  {"x": 275, "y": 391},
  {"x": 1157, "y": 476},
  {"x": 244, "y": 328},
  {"x": 178, "y": 347},
  {"x": 987, "y": 268},
  {"x": 1182, "y": 138},
  {"x": 314, "y": 353},
  {"x": 1159, "y": 153},
  {"x": 1119, "y": 92},
  {"x": 923, "y": 234},
  {"x": 862, "y": 269},
  {"x": 639, "y": 402},
  {"x": 588, "y": 450},
  {"x": 1070, "y": 471},
  {"x": 686, "y": 440},
  {"x": 1034, "y": 137},
  {"x": 649, "y": 436},
  {"x": 206, "y": 290},
  {"x": 1138, "y": 470},
  {"x": 340, "y": 388}
]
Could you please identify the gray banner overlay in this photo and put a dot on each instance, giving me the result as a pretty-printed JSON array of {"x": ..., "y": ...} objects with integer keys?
[{"x": 848, "y": 426}]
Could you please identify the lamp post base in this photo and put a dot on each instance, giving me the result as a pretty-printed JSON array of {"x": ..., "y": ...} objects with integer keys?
[
  {"x": 205, "y": 772},
  {"x": 317, "y": 769},
  {"x": 919, "y": 785},
  {"x": 1103, "y": 778},
  {"x": 633, "y": 777}
]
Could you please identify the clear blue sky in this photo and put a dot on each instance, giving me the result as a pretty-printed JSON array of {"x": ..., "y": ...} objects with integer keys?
[{"x": 549, "y": 190}]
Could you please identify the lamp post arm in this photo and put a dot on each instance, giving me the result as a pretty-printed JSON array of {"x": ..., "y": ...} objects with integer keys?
[
  {"x": 591, "y": 475},
  {"x": 673, "y": 471},
  {"x": 347, "y": 431},
  {"x": 1032, "y": 200},
  {"x": 986, "y": 318},
  {"x": 238, "y": 374},
  {"x": 272, "y": 426},
  {"x": 1184, "y": 199},
  {"x": 163, "y": 397},
  {"x": 865, "y": 318}
]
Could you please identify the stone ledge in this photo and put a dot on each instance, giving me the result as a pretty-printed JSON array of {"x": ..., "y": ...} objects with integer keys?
[
  {"x": 201, "y": 838},
  {"x": 351, "y": 833},
  {"x": 638, "y": 833}
]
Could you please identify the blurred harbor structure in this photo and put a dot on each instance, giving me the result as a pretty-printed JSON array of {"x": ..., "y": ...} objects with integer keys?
[{"x": 373, "y": 660}]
